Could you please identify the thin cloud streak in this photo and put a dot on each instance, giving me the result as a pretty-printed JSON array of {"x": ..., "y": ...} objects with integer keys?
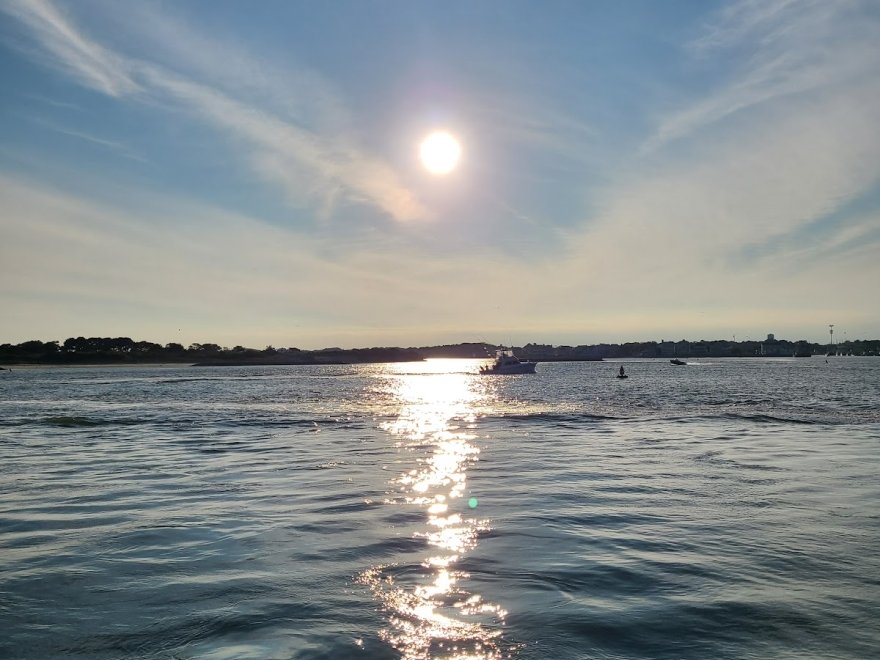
[
  {"x": 85, "y": 60},
  {"x": 113, "y": 145}
]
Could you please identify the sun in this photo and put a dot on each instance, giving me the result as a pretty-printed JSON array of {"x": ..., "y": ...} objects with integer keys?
[{"x": 440, "y": 152}]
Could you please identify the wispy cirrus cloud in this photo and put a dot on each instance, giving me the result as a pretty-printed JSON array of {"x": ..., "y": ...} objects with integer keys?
[
  {"x": 72, "y": 52},
  {"x": 819, "y": 241},
  {"x": 784, "y": 48},
  {"x": 766, "y": 179},
  {"x": 731, "y": 221},
  {"x": 312, "y": 167},
  {"x": 306, "y": 165},
  {"x": 293, "y": 92}
]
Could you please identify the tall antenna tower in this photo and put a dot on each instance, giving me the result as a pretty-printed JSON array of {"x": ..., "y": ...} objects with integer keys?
[{"x": 831, "y": 333}]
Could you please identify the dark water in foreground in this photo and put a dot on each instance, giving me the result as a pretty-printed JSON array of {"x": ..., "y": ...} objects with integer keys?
[{"x": 728, "y": 509}]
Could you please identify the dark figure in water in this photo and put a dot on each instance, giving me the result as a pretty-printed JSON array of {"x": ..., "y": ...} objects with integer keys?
[{"x": 621, "y": 371}]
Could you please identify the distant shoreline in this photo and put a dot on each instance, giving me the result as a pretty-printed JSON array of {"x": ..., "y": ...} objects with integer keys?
[
  {"x": 11, "y": 366},
  {"x": 123, "y": 351},
  {"x": 169, "y": 365}
]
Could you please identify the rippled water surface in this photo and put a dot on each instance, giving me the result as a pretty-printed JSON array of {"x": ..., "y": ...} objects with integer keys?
[{"x": 728, "y": 508}]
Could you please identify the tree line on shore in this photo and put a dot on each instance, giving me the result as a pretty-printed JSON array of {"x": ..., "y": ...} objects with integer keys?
[{"x": 109, "y": 350}]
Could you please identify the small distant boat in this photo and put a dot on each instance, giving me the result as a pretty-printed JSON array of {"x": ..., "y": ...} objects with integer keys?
[
  {"x": 507, "y": 363},
  {"x": 676, "y": 361}
]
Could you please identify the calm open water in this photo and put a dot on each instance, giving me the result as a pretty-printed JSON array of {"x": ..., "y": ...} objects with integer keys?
[{"x": 726, "y": 509}]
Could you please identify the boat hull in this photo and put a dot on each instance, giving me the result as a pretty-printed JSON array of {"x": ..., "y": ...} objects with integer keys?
[{"x": 510, "y": 370}]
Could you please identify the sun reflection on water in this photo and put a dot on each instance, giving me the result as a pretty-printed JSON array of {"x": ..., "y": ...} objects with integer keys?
[{"x": 430, "y": 612}]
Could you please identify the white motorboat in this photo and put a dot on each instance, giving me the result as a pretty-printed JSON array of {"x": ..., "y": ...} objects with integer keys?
[{"x": 507, "y": 363}]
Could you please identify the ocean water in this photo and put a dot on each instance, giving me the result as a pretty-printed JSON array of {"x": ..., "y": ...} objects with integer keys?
[{"x": 724, "y": 509}]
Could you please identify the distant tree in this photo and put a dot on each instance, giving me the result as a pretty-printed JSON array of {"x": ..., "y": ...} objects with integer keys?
[
  {"x": 146, "y": 347},
  {"x": 33, "y": 347},
  {"x": 74, "y": 345},
  {"x": 174, "y": 347},
  {"x": 120, "y": 344}
]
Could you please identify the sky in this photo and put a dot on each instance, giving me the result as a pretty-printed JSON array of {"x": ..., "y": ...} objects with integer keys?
[{"x": 248, "y": 173}]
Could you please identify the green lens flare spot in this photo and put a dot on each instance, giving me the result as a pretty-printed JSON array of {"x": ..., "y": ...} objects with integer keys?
[{"x": 472, "y": 503}]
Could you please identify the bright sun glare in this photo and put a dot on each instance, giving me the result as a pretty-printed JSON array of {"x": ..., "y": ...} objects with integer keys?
[{"x": 440, "y": 152}]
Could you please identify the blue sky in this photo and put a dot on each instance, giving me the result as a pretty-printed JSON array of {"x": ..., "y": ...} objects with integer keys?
[{"x": 248, "y": 173}]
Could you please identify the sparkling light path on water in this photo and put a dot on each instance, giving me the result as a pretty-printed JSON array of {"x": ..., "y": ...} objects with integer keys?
[{"x": 435, "y": 615}]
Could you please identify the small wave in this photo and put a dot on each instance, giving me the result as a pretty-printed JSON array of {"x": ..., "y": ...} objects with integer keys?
[
  {"x": 74, "y": 421},
  {"x": 174, "y": 380},
  {"x": 69, "y": 420},
  {"x": 314, "y": 423},
  {"x": 192, "y": 379},
  {"x": 80, "y": 421},
  {"x": 328, "y": 465},
  {"x": 178, "y": 637},
  {"x": 714, "y": 456},
  {"x": 559, "y": 419},
  {"x": 769, "y": 419},
  {"x": 701, "y": 416}
]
